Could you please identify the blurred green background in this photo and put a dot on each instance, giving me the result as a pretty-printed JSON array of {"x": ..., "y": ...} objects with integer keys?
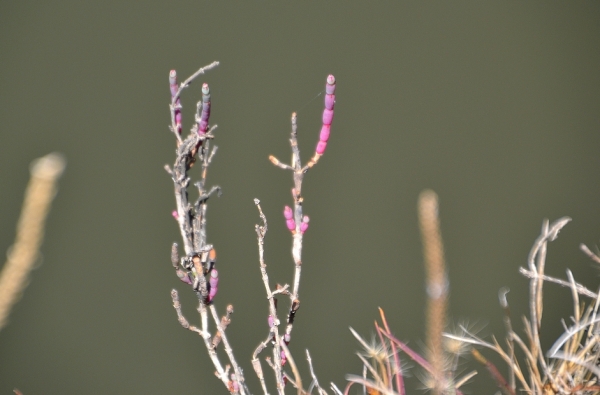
[{"x": 495, "y": 105}]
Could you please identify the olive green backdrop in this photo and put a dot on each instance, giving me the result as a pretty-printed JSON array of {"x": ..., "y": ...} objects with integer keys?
[{"x": 496, "y": 106}]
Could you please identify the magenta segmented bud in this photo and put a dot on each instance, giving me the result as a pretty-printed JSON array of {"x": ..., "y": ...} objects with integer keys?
[
  {"x": 283, "y": 358},
  {"x": 203, "y": 125},
  {"x": 327, "y": 115},
  {"x": 271, "y": 321},
  {"x": 183, "y": 276},
  {"x": 214, "y": 284},
  {"x": 289, "y": 218},
  {"x": 304, "y": 224}
]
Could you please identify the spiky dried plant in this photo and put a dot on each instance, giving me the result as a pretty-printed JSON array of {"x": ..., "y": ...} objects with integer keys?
[{"x": 570, "y": 366}]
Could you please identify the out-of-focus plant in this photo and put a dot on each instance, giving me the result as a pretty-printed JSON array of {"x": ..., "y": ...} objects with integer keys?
[{"x": 24, "y": 253}]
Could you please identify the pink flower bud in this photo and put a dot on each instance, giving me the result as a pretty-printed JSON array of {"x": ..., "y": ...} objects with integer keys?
[
  {"x": 288, "y": 213},
  {"x": 283, "y": 358},
  {"x": 327, "y": 117},
  {"x": 174, "y": 214},
  {"x": 304, "y": 224},
  {"x": 214, "y": 283},
  {"x": 270, "y": 321},
  {"x": 286, "y": 338},
  {"x": 325, "y": 131},
  {"x": 291, "y": 225},
  {"x": 212, "y": 293},
  {"x": 329, "y": 101},
  {"x": 214, "y": 278},
  {"x": 289, "y": 217},
  {"x": 321, "y": 145}
]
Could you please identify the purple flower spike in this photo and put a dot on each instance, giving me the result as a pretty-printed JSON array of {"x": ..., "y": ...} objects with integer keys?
[{"x": 203, "y": 126}]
